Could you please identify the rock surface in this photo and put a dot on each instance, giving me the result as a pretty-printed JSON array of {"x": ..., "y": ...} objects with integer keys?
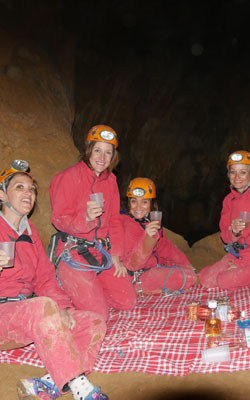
[
  {"x": 35, "y": 119},
  {"x": 36, "y": 116}
]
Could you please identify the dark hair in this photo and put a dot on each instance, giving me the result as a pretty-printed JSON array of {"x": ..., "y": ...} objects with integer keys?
[{"x": 87, "y": 151}]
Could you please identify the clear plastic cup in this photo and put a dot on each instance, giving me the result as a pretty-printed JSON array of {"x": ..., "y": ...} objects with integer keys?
[
  {"x": 9, "y": 248},
  {"x": 245, "y": 216},
  {"x": 98, "y": 197},
  {"x": 216, "y": 354},
  {"x": 156, "y": 216}
]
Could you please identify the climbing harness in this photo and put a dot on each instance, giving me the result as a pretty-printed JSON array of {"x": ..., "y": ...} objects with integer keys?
[
  {"x": 176, "y": 292},
  {"x": 136, "y": 274},
  {"x": 234, "y": 248},
  {"x": 82, "y": 246},
  {"x": 167, "y": 292},
  {"x": 17, "y": 298},
  {"x": 136, "y": 279}
]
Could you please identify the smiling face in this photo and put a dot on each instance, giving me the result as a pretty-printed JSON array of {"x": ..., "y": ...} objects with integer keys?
[
  {"x": 139, "y": 207},
  {"x": 21, "y": 193},
  {"x": 239, "y": 176},
  {"x": 101, "y": 157}
]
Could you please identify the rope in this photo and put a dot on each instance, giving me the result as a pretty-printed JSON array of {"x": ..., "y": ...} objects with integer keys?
[{"x": 166, "y": 291}]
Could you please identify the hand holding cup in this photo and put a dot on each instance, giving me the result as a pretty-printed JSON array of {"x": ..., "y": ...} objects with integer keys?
[
  {"x": 7, "y": 253},
  {"x": 245, "y": 216},
  {"x": 156, "y": 216},
  {"x": 155, "y": 224},
  {"x": 98, "y": 198},
  {"x": 95, "y": 206}
]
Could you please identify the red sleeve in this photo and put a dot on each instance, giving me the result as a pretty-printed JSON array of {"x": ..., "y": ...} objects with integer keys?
[
  {"x": 68, "y": 204},
  {"x": 137, "y": 252},
  {"x": 115, "y": 229},
  {"x": 226, "y": 221}
]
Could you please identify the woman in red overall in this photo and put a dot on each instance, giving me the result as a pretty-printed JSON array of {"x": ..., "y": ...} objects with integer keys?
[
  {"x": 233, "y": 270},
  {"x": 83, "y": 223},
  {"x": 155, "y": 264},
  {"x": 67, "y": 340}
]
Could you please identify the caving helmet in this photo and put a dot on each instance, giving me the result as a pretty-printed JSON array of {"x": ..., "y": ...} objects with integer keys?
[
  {"x": 141, "y": 187},
  {"x": 15, "y": 167},
  {"x": 239, "y": 157},
  {"x": 102, "y": 133}
]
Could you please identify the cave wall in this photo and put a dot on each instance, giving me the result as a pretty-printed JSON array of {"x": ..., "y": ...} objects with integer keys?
[
  {"x": 35, "y": 119},
  {"x": 178, "y": 96},
  {"x": 172, "y": 78}
]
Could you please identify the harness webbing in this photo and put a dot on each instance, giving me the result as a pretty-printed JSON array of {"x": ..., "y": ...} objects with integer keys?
[
  {"x": 234, "y": 248},
  {"x": 67, "y": 258},
  {"x": 82, "y": 246}
]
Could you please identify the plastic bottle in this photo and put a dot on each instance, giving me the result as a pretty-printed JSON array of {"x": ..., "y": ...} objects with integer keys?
[
  {"x": 212, "y": 323},
  {"x": 223, "y": 308}
]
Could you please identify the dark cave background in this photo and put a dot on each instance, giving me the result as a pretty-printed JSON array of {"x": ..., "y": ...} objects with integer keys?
[{"x": 171, "y": 77}]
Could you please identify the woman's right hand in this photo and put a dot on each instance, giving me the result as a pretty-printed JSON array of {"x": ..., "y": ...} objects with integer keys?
[
  {"x": 93, "y": 210},
  {"x": 3, "y": 258},
  {"x": 152, "y": 228}
]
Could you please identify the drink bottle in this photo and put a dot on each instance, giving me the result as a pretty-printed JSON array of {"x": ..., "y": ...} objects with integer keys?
[{"x": 212, "y": 323}]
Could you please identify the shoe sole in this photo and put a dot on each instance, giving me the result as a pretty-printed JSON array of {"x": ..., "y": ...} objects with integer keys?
[{"x": 22, "y": 394}]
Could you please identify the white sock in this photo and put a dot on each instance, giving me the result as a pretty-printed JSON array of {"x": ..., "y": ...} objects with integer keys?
[
  {"x": 80, "y": 387},
  {"x": 47, "y": 378}
]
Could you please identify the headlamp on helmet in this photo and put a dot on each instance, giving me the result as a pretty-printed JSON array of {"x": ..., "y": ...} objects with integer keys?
[
  {"x": 102, "y": 133},
  {"x": 15, "y": 166},
  {"x": 239, "y": 157},
  {"x": 141, "y": 187}
]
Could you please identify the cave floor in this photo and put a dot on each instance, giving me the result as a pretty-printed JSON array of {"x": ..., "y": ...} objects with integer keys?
[{"x": 139, "y": 386}]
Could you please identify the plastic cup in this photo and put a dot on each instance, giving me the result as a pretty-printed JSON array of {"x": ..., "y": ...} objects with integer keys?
[
  {"x": 156, "y": 216},
  {"x": 98, "y": 197},
  {"x": 245, "y": 216},
  {"x": 9, "y": 248},
  {"x": 216, "y": 354}
]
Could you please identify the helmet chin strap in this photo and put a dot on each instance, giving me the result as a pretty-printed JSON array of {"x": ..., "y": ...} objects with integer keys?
[{"x": 7, "y": 203}]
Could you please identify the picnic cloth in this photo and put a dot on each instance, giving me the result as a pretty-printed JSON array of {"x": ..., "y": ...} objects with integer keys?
[{"x": 157, "y": 338}]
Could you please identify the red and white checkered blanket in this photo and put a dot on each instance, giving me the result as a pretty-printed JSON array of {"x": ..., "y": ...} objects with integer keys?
[{"x": 157, "y": 338}]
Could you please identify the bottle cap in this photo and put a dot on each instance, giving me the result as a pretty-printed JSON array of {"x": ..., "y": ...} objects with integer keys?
[{"x": 212, "y": 303}]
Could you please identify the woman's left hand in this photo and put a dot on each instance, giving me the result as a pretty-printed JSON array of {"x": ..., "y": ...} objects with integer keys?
[
  {"x": 68, "y": 319},
  {"x": 152, "y": 229},
  {"x": 120, "y": 270},
  {"x": 237, "y": 226}
]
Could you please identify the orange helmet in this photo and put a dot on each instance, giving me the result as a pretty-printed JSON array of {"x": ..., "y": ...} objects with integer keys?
[
  {"x": 102, "y": 133},
  {"x": 16, "y": 166},
  {"x": 239, "y": 157},
  {"x": 141, "y": 187}
]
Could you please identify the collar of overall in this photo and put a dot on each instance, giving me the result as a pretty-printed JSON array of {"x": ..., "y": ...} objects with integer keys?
[
  {"x": 244, "y": 191},
  {"x": 141, "y": 221}
]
